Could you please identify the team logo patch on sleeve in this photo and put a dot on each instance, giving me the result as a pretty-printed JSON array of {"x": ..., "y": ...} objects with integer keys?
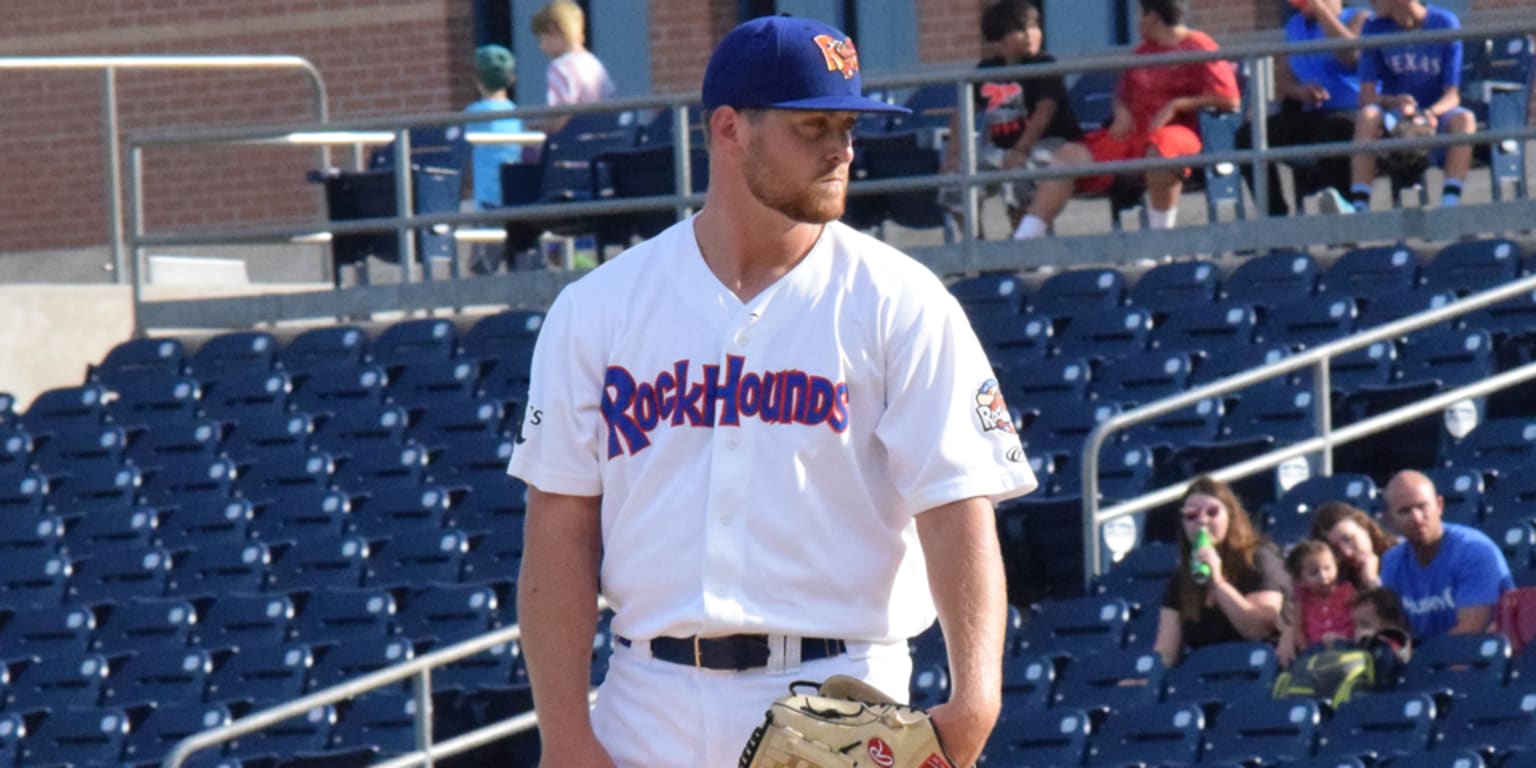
[{"x": 991, "y": 409}]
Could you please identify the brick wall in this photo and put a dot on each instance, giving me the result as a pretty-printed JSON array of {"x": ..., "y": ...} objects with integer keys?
[{"x": 377, "y": 56}]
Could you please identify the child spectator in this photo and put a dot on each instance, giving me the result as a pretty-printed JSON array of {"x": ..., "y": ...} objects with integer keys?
[
  {"x": 1019, "y": 115},
  {"x": 494, "y": 74},
  {"x": 1321, "y": 602},
  {"x": 575, "y": 76}
]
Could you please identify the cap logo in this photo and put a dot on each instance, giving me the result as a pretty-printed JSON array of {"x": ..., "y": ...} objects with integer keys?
[{"x": 840, "y": 55}]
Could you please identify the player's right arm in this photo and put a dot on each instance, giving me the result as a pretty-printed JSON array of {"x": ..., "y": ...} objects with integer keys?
[{"x": 557, "y": 608}]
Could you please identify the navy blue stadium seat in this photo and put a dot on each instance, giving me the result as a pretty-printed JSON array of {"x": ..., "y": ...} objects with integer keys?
[
  {"x": 496, "y": 545},
  {"x": 1290, "y": 516},
  {"x": 92, "y": 532},
  {"x": 276, "y": 434},
  {"x": 1462, "y": 489},
  {"x": 1024, "y": 737},
  {"x": 82, "y": 736},
  {"x": 211, "y": 569},
  {"x": 1082, "y": 291},
  {"x": 431, "y": 382},
  {"x": 1159, "y": 734},
  {"x": 1275, "y": 408},
  {"x": 1515, "y": 535},
  {"x": 1209, "y": 327},
  {"x": 13, "y": 728},
  {"x": 1055, "y": 377},
  {"x": 15, "y": 445},
  {"x": 145, "y": 625},
  {"x": 234, "y": 352},
  {"x": 450, "y": 419},
  {"x": 1309, "y": 321},
  {"x": 1110, "y": 681},
  {"x": 1373, "y": 365},
  {"x": 152, "y": 677},
  {"x": 1491, "y": 722},
  {"x": 1028, "y": 682},
  {"x": 1222, "y": 362},
  {"x": 507, "y": 333},
  {"x": 1144, "y": 377},
  {"x": 1466, "y": 665},
  {"x": 59, "y": 683},
  {"x": 1125, "y": 471},
  {"x": 1061, "y": 425},
  {"x": 1383, "y": 309},
  {"x": 339, "y": 385},
  {"x": 343, "y": 431},
  {"x": 1263, "y": 731},
  {"x": 415, "y": 340},
  {"x": 356, "y": 656},
  {"x": 48, "y": 632},
  {"x": 1075, "y": 626},
  {"x": 61, "y": 406},
  {"x": 278, "y": 470},
  {"x": 109, "y": 574},
  {"x": 1114, "y": 332},
  {"x": 381, "y": 720},
  {"x": 300, "y": 513},
  {"x": 240, "y": 397},
  {"x": 406, "y": 560},
  {"x": 402, "y": 511},
  {"x": 33, "y": 579},
  {"x": 991, "y": 293},
  {"x": 1450, "y": 358},
  {"x": 337, "y": 615},
  {"x": 171, "y": 443},
  {"x": 497, "y": 668},
  {"x": 80, "y": 447},
  {"x": 1379, "y": 726},
  {"x": 1201, "y": 422},
  {"x": 165, "y": 355},
  {"x": 1505, "y": 443},
  {"x": 473, "y": 458},
  {"x": 158, "y": 731},
  {"x": 324, "y": 347},
  {"x": 155, "y": 399},
  {"x": 1272, "y": 278},
  {"x": 305, "y": 734},
  {"x": 448, "y": 613},
  {"x": 1176, "y": 285},
  {"x": 237, "y": 620},
  {"x": 1469, "y": 266},
  {"x": 203, "y": 524},
  {"x": 42, "y": 532},
  {"x": 1014, "y": 340},
  {"x": 1373, "y": 271},
  {"x": 262, "y": 675},
  {"x": 382, "y": 466},
  {"x": 1227, "y": 673},
  {"x": 312, "y": 563}
]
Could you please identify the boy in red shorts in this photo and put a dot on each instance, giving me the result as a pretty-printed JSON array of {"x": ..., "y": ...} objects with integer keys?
[{"x": 1157, "y": 112}]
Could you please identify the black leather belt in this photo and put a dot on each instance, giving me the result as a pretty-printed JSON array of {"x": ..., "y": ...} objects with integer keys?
[{"x": 735, "y": 652}]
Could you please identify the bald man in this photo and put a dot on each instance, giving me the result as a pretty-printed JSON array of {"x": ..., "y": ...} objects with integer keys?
[{"x": 1449, "y": 576}]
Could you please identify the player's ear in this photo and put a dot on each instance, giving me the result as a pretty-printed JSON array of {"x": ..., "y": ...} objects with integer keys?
[{"x": 726, "y": 126}]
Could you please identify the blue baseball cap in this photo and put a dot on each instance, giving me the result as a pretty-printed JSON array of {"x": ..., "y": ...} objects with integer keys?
[{"x": 787, "y": 62}]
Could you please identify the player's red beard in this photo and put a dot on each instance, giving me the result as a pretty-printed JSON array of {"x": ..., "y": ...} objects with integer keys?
[{"x": 816, "y": 203}]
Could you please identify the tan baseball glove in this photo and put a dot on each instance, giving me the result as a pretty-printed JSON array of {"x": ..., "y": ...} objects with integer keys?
[{"x": 846, "y": 723}]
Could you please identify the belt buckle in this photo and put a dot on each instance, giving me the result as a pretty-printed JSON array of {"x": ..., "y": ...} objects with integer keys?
[{"x": 698, "y": 654}]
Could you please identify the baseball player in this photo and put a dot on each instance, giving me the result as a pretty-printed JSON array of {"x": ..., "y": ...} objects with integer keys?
[{"x": 769, "y": 440}]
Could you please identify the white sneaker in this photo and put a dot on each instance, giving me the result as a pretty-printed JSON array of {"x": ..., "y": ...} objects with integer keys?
[{"x": 1330, "y": 201}]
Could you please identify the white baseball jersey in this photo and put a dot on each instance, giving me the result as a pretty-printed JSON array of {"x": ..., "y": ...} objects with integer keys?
[{"x": 761, "y": 463}]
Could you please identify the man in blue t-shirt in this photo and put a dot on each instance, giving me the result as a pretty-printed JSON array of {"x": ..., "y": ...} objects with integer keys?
[
  {"x": 1449, "y": 576},
  {"x": 1319, "y": 94},
  {"x": 1411, "y": 82}
]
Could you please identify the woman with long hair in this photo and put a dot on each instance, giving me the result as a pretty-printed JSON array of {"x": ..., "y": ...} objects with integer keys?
[{"x": 1241, "y": 584}]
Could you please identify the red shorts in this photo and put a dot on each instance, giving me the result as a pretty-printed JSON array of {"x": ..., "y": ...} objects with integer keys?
[{"x": 1170, "y": 141}]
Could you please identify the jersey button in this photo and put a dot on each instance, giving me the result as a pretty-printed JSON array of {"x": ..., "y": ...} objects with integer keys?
[{"x": 742, "y": 337}]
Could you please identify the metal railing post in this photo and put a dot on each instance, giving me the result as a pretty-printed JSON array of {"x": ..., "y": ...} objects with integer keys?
[
  {"x": 405, "y": 205},
  {"x": 1260, "y": 72},
  {"x": 965, "y": 110},
  {"x": 682, "y": 157},
  {"x": 1322, "y": 413}
]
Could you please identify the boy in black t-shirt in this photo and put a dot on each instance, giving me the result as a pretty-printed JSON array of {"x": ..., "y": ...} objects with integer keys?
[{"x": 1018, "y": 116}]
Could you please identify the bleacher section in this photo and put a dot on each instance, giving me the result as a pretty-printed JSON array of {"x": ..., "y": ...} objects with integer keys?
[{"x": 196, "y": 531}]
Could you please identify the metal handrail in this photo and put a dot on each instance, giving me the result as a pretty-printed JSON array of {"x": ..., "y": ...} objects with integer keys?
[
  {"x": 1317, "y": 358},
  {"x": 109, "y": 65}
]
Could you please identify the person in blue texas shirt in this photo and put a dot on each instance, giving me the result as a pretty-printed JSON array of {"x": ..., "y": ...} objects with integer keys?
[
  {"x": 1449, "y": 576},
  {"x": 1411, "y": 81}
]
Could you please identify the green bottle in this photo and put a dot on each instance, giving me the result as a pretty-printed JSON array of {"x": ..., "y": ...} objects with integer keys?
[{"x": 1200, "y": 571}]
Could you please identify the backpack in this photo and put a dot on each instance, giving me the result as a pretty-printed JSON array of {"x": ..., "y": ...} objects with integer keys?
[{"x": 1332, "y": 675}]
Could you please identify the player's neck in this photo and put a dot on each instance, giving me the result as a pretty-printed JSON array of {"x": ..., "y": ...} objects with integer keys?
[{"x": 748, "y": 253}]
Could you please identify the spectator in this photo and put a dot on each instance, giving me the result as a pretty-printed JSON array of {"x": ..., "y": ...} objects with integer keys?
[
  {"x": 575, "y": 76},
  {"x": 1020, "y": 116},
  {"x": 1410, "y": 83},
  {"x": 494, "y": 74},
  {"x": 1319, "y": 609},
  {"x": 1319, "y": 96},
  {"x": 1157, "y": 112},
  {"x": 1375, "y": 611},
  {"x": 1241, "y": 600},
  {"x": 1358, "y": 542},
  {"x": 1449, "y": 576}
]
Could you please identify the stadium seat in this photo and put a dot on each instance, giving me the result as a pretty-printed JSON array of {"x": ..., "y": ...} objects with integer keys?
[
  {"x": 90, "y": 532},
  {"x": 1263, "y": 731},
  {"x": 1115, "y": 332},
  {"x": 338, "y": 386},
  {"x": 1159, "y": 734},
  {"x": 930, "y": 686},
  {"x": 1221, "y": 362},
  {"x": 1014, "y": 341},
  {"x": 313, "y": 563},
  {"x": 155, "y": 399},
  {"x": 1506, "y": 443},
  {"x": 1142, "y": 573},
  {"x": 453, "y": 418},
  {"x": 1176, "y": 285},
  {"x": 496, "y": 544},
  {"x": 1372, "y": 272},
  {"x": 262, "y": 675},
  {"x": 383, "y": 720},
  {"x": 431, "y": 382},
  {"x": 81, "y": 736},
  {"x": 170, "y": 443},
  {"x": 406, "y": 560},
  {"x": 58, "y": 683},
  {"x": 1465, "y": 665},
  {"x": 1062, "y": 425},
  {"x": 1290, "y": 516},
  {"x": 324, "y": 347},
  {"x": 251, "y": 352},
  {"x": 1379, "y": 726},
  {"x": 495, "y": 668},
  {"x": 1469, "y": 266},
  {"x": 1054, "y": 377},
  {"x": 240, "y": 398},
  {"x": 1309, "y": 321},
  {"x": 194, "y": 481},
  {"x": 1028, "y": 682},
  {"x": 238, "y": 620},
  {"x": 1449, "y": 357},
  {"x": 644, "y": 171},
  {"x": 1084, "y": 291},
  {"x": 1075, "y": 626},
  {"x": 401, "y": 511},
  {"x": 283, "y": 469},
  {"x": 152, "y": 677},
  {"x": 1515, "y": 535},
  {"x": 469, "y": 458},
  {"x": 301, "y": 513},
  {"x": 896, "y": 155},
  {"x": 1198, "y": 423},
  {"x": 276, "y": 434},
  {"x": 1213, "y": 328},
  {"x": 33, "y": 579},
  {"x": 159, "y": 730},
  {"x": 509, "y": 333},
  {"x": 1109, "y": 681},
  {"x": 1373, "y": 365},
  {"x": 419, "y": 339},
  {"x": 1224, "y": 673},
  {"x": 1515, "y": 618},
  {"x": 1462, "y": 489},
  {"x": 305, "y": 734},
  {"x": 145, "y": 625},
  {"x": 991, "y": 293},
  {"x": 1024, "y": 737},
  {"x": 380, "y": 466},
  {"x": 109, "y": 574},
  {"x": 1223, "y": 183},
  {"x": 357, "y": 656},
  {"x": 13, "y": 728},
  {"x": 564, "y": 173},
  {"x": 61, "y": 631},
  {"x": 62, "y": 406},
  {"x": 39, "y": 533},
  {"x": 1272, "y": 278},
  {"x": 348, "y": 429},
  {"x": 1383, "y": 309},
  {"x": 339, "y": 615},
  {"x": 79, "y": 447},
  {"x": 1125, "y": 471},
  {"x": 15, "y": 445},
  {"x": 211, "y": 569},
  {"x": 203, "y": 524},
  {"x": 1144, "y": 377},
  {"x": 447, "y": 613}
]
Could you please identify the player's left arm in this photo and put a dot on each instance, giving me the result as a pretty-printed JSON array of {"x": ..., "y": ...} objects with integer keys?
[{"x": 965, "y": 575}]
